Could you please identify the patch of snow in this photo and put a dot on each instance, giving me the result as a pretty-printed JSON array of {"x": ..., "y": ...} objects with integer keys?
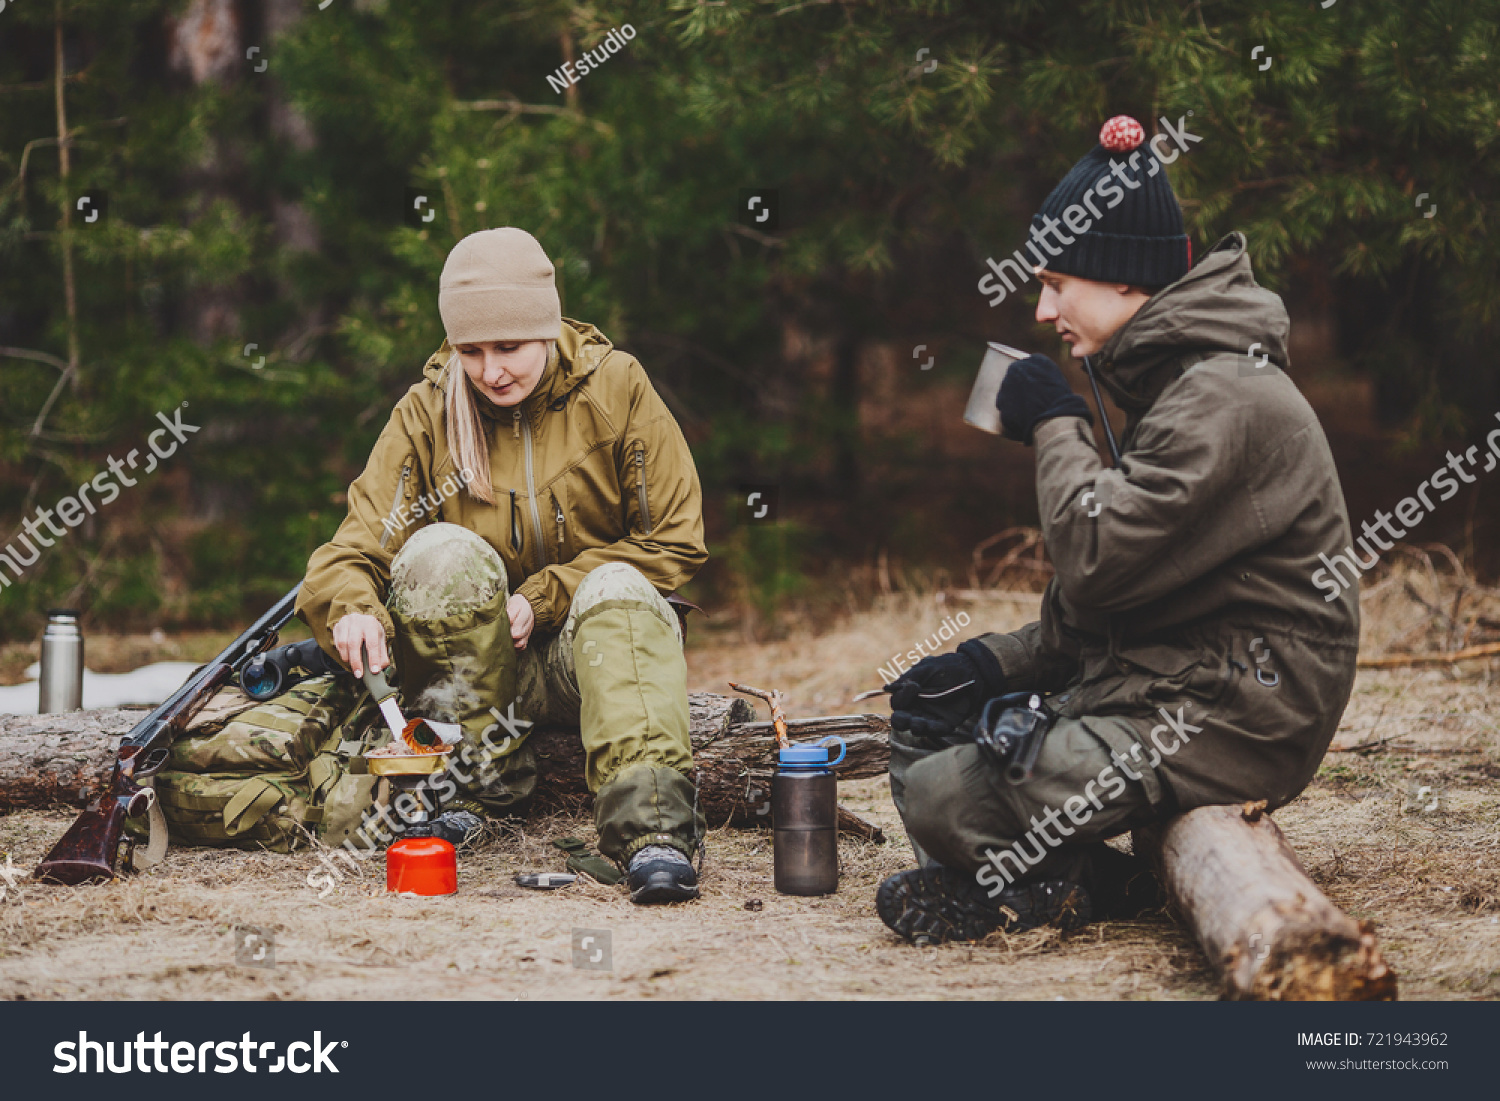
[{"x": 149, "y": 684}]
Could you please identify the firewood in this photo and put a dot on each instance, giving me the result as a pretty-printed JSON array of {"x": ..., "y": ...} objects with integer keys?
[
  {"x": 1264, "y": 925},
  {"x": 734, "y": 757}
]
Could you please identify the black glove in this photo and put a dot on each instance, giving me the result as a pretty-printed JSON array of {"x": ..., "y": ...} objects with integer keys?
[
  {"x": 940, "y": 692},
  {"x": 1034, "y": 390}
]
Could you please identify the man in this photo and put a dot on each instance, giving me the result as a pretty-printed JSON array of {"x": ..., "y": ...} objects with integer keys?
[{"x": 1183, "y": 654}]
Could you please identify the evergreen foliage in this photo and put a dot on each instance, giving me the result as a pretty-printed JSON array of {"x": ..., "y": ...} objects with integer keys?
[{"x": 894, "y": 182}]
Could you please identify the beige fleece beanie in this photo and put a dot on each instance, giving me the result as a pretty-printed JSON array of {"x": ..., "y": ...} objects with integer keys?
[{"x": 498, "y": 284}]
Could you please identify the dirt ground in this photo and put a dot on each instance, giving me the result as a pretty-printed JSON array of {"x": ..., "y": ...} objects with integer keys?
[{"x": 1400, "y": 827}]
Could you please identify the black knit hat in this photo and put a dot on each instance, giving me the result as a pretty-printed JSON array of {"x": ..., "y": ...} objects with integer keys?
[{"x": 1138, "y": 236}]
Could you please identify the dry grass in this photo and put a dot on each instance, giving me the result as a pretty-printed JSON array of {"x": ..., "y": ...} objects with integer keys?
[{"x": 1429, "y": 878}]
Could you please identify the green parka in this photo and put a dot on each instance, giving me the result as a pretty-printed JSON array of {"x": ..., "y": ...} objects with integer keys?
[
  {"x": 1184, "y": 577},
  {"x": 590, "y": 468}
]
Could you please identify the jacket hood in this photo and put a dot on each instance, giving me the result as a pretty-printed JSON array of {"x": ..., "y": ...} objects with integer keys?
[
  {"x": 580, "y": 350},
  {"x": 1217, "y": 307}
]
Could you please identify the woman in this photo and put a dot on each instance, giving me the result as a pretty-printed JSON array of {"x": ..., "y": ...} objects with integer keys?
[{"x": 513, "y": 534}]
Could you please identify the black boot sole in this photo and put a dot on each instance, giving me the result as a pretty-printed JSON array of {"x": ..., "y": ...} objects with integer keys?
[
  {"x": 663, "y": 887},
  {"x": 933, "y": 905}
]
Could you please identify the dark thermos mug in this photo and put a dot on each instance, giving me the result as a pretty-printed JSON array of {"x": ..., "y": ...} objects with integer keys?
[{"x": 804, "y": 817}]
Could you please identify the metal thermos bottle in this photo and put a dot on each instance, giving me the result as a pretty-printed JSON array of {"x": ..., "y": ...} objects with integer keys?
[
  {"x": 804, "y": 817},
  {"x": 61, "y": 684}
]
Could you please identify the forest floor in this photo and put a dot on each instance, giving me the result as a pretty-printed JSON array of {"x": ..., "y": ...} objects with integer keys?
[{"x": 1399, "y": 827}]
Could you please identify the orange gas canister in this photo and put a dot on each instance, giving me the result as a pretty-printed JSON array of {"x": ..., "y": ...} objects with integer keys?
[{"x": 422, "y": 866}]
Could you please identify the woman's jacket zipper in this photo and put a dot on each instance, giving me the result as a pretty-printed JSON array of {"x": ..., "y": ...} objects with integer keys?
[
  {"x": 557, "y": 508},
  {"x": 640, "y": 483},
  {"x": 536, "y": 515},
  {"x": 390, "y": 520}
]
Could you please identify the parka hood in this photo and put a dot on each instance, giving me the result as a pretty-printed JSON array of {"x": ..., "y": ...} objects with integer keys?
[
  {"x": 589, "y": 475},
  {"x": 1217, "y": 307},
  {"x": 580, "y": 350}
]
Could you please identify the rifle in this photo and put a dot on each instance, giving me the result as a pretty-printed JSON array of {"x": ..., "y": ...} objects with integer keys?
[{"x": 88, "y": 851}]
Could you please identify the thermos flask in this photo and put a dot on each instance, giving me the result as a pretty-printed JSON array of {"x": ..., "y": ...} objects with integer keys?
[
  {"x": 804, "y": 818},
  {"x": 61, "y": 685}
]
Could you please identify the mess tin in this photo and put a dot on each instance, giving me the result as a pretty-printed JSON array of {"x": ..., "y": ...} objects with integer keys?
[
  {"x": 981, "y": 411},
  {"x": 408, "y": 764}
]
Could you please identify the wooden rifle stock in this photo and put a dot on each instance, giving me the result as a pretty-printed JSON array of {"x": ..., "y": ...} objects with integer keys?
[{"x": 88, "y": 852}]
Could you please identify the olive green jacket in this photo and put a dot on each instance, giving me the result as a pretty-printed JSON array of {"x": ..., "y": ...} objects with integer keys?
[
  {"x": 590, "y": 468},
  {"x": 1184, "y": 578}
]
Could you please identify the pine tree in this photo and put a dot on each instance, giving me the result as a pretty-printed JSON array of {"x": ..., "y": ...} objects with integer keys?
[{"x": 906, "y": 141}]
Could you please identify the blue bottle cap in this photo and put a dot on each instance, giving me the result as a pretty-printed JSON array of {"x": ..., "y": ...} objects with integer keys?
[{"x": 804, "y": 755}]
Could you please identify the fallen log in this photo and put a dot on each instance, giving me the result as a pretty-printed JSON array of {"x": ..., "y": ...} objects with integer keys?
[
  {"x": 734, "y": 757},
  {"x": 47, "y": 760},
  {"x": 65, "y": 758},
  {"x": 1264, "y": 925}
]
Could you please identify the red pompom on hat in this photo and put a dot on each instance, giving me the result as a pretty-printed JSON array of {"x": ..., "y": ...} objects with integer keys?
[
  {"x": 1138, "y": 238},
  {"x": 1121, "y": 134}
]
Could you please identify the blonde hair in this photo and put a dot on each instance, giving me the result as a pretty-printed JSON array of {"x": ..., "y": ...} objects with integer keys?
[{"x": 464, "y": 425}]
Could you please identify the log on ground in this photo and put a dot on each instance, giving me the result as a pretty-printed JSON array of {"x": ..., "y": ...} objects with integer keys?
[
  {"x": 1264, "y": 925},
  {"x": 734, "y": 757},
  {"x": 46, "y": 760},
  {"x": 66, "y": 758}
]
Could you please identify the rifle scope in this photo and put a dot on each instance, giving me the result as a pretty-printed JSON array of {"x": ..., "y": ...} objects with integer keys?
[{"x": 271, "y": 673}]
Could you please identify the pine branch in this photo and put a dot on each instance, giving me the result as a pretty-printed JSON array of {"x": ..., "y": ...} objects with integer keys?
[
  {"x": 516, "y": 107},
  {"x": 39, "y": 357}
]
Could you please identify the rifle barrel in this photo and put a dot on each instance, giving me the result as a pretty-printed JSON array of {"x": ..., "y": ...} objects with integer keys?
[{"x": 234, "y": 655}]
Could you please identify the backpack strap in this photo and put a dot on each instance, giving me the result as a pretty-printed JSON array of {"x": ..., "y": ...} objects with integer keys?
[
  {"x": 157, "y": 839},
  {"x": 255, "y": 799}
]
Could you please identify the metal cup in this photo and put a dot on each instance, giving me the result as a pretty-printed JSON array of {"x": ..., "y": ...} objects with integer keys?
[
  {"x": 61, "y": 685},
  {"x": 981, "y": 411}
]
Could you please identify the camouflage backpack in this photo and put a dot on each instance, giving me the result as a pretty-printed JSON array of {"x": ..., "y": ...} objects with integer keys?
[{"x": 267, "y": 775}]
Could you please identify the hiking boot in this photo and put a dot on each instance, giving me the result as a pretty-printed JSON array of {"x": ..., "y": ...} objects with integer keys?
[
  {"x": 660, "y": 873},
  {"x": 935, "y": 904},
  {"x": 1121, "y": 886},
  {"x": 458, "y": 826}
]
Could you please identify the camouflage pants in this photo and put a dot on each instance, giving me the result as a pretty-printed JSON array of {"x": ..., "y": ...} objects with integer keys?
[{"x": 615, "y": 671}]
